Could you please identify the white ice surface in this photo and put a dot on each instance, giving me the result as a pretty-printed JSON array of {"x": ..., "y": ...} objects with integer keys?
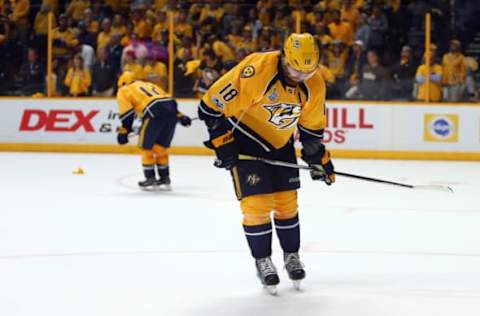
[{"x": 94, "y": 244}]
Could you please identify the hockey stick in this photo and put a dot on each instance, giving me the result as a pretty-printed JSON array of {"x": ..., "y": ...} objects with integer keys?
[{"x": 348, "y": 175}]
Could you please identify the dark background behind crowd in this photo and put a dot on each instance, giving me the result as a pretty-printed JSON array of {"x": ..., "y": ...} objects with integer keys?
[{"x": 371, "y": 49}]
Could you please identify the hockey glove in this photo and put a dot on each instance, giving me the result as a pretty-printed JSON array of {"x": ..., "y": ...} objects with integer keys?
[
  {"x": 184, "y": 120},
  {"x": 225, "y": 150},
  {"x": 122, "y": 136},
  {"x": 315, "y": 154}
]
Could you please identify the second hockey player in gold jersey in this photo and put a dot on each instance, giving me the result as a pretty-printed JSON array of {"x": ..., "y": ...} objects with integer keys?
[
  {"x": 159, "y": 115},
  {"x": 254, "y": 110}
]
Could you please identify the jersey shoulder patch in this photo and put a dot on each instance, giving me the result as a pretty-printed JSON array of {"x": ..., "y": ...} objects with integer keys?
[{"x": 247, "y": 71}]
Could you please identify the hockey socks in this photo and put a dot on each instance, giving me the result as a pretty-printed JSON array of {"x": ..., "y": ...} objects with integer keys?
[
  {"x": 288, "y": 232},
  {"x": 259, "y": 239}
]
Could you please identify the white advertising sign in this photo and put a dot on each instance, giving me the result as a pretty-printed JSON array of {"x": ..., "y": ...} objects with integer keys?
[{"x": 350, "y": 125}]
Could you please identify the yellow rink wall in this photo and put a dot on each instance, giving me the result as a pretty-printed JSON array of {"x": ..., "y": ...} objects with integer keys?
[{"x": 366, "y": 130}]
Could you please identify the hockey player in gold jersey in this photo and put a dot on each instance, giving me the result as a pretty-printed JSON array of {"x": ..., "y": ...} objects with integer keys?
[
  {"x": 159, "y": 115},
  {"x": 254, "y": 110}
]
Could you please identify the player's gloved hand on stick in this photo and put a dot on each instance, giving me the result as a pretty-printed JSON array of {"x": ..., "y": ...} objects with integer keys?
[
  {"x": 122, "y": 136},
  {"x": 315, "y": 154},
  {"x": 225, "y": 149},
  {"x": 184, "y": 120}
]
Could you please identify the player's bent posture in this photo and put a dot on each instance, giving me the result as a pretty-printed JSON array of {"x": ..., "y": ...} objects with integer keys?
[
  {"x": 159, "y": 115},
  {"x": 254, "y": 110}
]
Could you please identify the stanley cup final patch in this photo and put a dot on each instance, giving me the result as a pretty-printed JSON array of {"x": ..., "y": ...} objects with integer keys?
[{"x": 247, "y": 71}]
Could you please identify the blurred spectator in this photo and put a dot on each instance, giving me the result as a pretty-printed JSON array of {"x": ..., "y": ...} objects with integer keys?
[
  {"x": 63, "y": 38},
  {"x": 183, "y": 80},
  {"x": 115, "y": 53},
  {"x": 336, "y": 61},
  {"x": 155, "y": 72},
  {"x": 363, "y": 31},
  {"x": 132, "y": 64},
  {"x": 84, "y": 36},
  {"x": 161, "y": 24},
  {"x": 118, "y": 25},
  {"x": 340, "y": 30},
  {"x": 92, "y": 25},
  {"x": 471, "y": 66},
  {"x": 40, "y": 27},
  {"x": 103, "y": 38},
  {"x": 141, "y": 26},
  {"x": 378, "y": 27},
  {"x": 436, "y": 72},
  {"x": 349, "y": 13},
  {"x": 182, "y": 27},
  {"x": 355, "y": 64},
  {"x": 374, "y": 78},
  {"x": 403, "y": 75},
  {"x": 11, "y": 55},
  {"x": 212, "y": 10},
  {"x": 20, "y": 10},
  {"x": 221, "y": 49},
  {"x": 78, "y": 78},
  {"x": 32, "y": 74},
  {"x": 454, "y": 73},
  {"x": 254, "y": 23},
  {"x": 76, "y": 9},
  {"x": 103, "y": 75},
  {"x": 88, "y": 55},
  {"x": 322, "y": 36},
  {"x": 209, "y": 70}
]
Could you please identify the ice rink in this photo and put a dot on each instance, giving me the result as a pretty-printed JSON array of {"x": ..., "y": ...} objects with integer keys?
[{"x": 94, "y": 244}]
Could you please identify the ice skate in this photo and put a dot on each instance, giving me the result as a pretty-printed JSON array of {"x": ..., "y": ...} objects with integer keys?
[
  {"x": 148, "y": 184},
  {"x": 267, "y": 273},
  {"x": 163, "y": 183},
  {"x": 294, "y": 268}
]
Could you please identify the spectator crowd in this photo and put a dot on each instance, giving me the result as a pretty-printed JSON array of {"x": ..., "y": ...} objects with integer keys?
[{"x": 371, "y": 49}]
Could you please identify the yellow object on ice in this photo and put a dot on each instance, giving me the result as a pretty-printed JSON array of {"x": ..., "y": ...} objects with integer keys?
[{"x": 78, "y": 171}]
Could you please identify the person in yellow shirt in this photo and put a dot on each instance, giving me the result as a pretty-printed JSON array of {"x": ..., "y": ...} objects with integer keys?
[
  {"x": 212, "y": 10},
  {"x": 20, "y": 10},
  {"x": 350, "y": 13},
  {"x": 103, "y": 38},
  {"x": 222, "y": 50},
  {"x": 182, "y": 27},
  {"x": 254, "y": 109},
  {"x": 76, "y": 9},
  {"x": 141, "y": 26},
  {"x": 159, "y": 114},
  {"x": 40, "y": 25},
  {"x": 132, "y": 65},
  {"x": 155, "y": 72},
  {"x": 341, "y": 30},
  {"x": 336, "y": 61},
  {"x": 78, "y": 79},
  {"x": 454, "y": 73},
  {"x": 161, "y": 24},
  {"x": 436, "y": 73},
  {"x": 118, "y": 25},
  {"x": 63, "y": 38}
]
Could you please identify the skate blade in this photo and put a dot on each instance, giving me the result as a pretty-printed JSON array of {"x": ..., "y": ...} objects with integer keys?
[
  {"x": 297, "y": 284},
  {"x": 149, "y": 189},
  {"x": 271, "y": 289},
  {"x": 164, "y": 187}
]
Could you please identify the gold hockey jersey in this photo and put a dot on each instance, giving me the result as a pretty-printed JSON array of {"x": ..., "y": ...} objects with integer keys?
[
  {"x": 137, "y": 97},
  {"x": 256, "y": 100}
]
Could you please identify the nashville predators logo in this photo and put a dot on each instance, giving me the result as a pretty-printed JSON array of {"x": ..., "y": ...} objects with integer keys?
[
  {"x": 253, "y": 179},
  {"x": 283, "y": 115}
]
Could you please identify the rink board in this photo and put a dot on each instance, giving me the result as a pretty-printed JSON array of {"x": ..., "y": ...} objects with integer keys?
[{"x": 354, "y": 129}]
